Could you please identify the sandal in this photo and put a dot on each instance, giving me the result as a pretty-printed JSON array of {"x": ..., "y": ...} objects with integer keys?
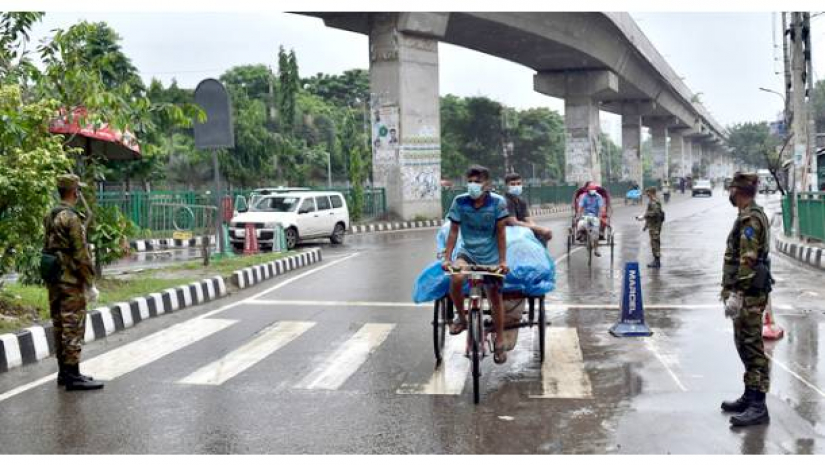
[
  {"x": 499, "y": 353},
  {"x": 458, "y": 326}
]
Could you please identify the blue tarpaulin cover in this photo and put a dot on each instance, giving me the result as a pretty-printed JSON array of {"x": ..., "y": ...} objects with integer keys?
[{"x": 532, "y": 270}]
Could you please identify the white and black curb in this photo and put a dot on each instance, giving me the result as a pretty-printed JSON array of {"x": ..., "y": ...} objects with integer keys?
[
  {"x": 814, "y": 256},
  {"x": 402, "y": 225},
  {"x": 33, "y": 344},
  {"x": 149, "y": 245},
  {"x": 37, "y": 342},
  {"x": 253, "y": 275}
]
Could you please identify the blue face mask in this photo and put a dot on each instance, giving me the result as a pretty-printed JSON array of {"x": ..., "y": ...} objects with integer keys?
[
  {"x": 515, "y": 190},
  {"x": 474, "y": 189}
]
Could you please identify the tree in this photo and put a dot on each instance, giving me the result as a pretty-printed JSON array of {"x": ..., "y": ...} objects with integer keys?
[
  {"x": 750, "y": 141},
  {"x": 288, "y": 88},
  {"x": 539, "y": 143},
  {"x": 30, "y": 160},
  {"x": 353, "y": 150},
  {"x": 15, "y": 66},
  {"x": 343, "y": 90},
  {"x": 611, "y": 156}
]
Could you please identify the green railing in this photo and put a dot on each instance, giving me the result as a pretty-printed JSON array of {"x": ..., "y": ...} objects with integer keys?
[
  {"x": 540, "y": 195},
  {"x": 156, "y": 213},
  {"x": 811, "y": 207},
  {"x": 787, "y": 207}
]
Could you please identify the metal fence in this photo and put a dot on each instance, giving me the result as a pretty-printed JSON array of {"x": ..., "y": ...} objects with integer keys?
[
  {"x": 156, "y": 213},
  {"x": 539, "y": 195},
  {"x": 811, "y": 213}
]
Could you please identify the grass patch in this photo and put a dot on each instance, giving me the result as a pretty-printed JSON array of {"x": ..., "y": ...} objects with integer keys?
[{"x": 25, "y": 305}]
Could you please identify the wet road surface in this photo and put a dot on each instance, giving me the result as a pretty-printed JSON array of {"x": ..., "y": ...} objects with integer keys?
[{"x": 335, "y": 359}]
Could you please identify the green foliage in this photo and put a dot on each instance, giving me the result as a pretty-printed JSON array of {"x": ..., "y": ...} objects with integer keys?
[
  {"x": 752, "y": 142},
  {"x": 611, "y": 156},
  {"x": 15, "y": 66},
  {"x": 30, "y": 160},
  {"x": 344, "y": 90},
  {"x": 539, "y": 143},
  {"x": 109, "y": 234},
  {"x": 353, "y": 150}
]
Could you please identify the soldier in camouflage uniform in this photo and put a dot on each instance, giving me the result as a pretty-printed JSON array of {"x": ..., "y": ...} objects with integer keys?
[
  {"x": 65, "y": 237},
  {"x": 746, "y": 284},
  {"x": 653, "y": 218}
]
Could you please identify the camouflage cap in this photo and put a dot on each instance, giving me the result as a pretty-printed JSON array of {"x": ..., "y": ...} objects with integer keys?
[
  {"x": 68, "y": 181},
  {"x": 744, "y": 180},
  {"x": 650, "y": 190}
]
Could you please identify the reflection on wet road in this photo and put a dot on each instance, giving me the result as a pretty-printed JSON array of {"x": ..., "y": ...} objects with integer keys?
[{"x": 338, "y": 360}]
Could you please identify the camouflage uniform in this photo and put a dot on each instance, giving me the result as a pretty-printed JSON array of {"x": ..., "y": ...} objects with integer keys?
[
  {"x": 66, "y": 236},
  {"x": 653, "y": 224},
  {"x": 747, "y": 244}
]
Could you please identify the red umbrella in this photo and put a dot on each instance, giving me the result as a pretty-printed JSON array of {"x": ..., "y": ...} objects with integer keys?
[{"x": 111, "y": 143}]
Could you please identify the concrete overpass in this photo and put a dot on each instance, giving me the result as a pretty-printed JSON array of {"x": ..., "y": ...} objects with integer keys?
[{"x": 591, "y": 60}]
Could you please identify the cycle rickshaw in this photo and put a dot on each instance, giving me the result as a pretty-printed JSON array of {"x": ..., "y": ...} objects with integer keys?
[
  {"x": 605, "y": 235},
  {"x": 480, "y": 330}
]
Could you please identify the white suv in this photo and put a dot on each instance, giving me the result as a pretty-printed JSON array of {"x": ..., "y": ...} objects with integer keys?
[{"x": 303, "y": 215}]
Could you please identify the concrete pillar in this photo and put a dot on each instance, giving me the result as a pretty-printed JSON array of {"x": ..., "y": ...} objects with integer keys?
[
  {"x": 581, "y": 91},
  {"x": 658, "y": 140},
  {"x": 404, "y": 87},
  {"x": 676, "y": 150},
  {"x": 631, "y": 145}
]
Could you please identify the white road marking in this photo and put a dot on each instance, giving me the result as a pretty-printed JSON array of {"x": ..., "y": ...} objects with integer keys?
[
  {"x": 338, "y": 303},
  {"x": 562, "y": 373},
  {"x": 449, "y": 378},
  {"x": 666, "y": 360},
  {"x": 338, "y": 367},
  {"x": 566, "y": 254},
  {"x": 796, "y": 375},
  {"x": 265, "y": 344},
  {"x": 39, "y": 382},
  {"x": 144, "y": 351}
]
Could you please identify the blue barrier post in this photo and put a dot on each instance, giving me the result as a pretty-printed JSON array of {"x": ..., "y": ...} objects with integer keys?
[{"x": 632, "y": 320}]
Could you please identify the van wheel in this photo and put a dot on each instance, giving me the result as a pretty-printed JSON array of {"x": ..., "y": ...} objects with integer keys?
[
  {"x": 291, "y": 235},
  {"x": 338, "y": 234}
]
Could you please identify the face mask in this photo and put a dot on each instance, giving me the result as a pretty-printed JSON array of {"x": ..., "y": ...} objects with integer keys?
[
  {"x": 592, "y": 192},
  {"x": 515, "y": 190},
  {"x": 474, "y": 189}
]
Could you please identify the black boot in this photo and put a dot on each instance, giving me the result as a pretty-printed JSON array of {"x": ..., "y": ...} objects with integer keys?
[
  {"x": 755, "y": 414},
  {"x": 655, "y": 263},
  {"x": 739, "y": 405},
  {"x": 61, "y": 375},
  {"x": 77, "y": 382}
]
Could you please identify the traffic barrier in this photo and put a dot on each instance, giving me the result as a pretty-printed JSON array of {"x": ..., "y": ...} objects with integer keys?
[
  {"x": 632, "y": 319},
  {"x": 770, "y": 330},
  {"x": 250, "y": 243}
]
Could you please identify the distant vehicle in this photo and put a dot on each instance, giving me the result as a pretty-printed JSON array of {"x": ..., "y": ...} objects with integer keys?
[
  {"x": 701, "y": 187},
  {"x": 304, "y": 214},
  {"x": 767, "y": 183}
]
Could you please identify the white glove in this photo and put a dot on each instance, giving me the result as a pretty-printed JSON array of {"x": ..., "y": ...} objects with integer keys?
[
  {"x": 92, "y": 294},
  {"x": 733, "y": 305},
  {"x": 639, "y": 218}
]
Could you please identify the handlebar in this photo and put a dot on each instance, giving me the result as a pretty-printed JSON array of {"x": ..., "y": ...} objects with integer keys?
[{"x": 483, "y": 270}]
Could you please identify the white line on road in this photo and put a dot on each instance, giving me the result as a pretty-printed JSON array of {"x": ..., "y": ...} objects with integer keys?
[
  {"x": 558, "y": 260},
  {"x": 39, "y": 382},
  {"x": 338, "y": 367},
  {"x": 562, "y": 373},
  {"x": 795, "y": 375},
  {"x": 449, "y": 378},
  {"x": 265, "y": 344},
  {"x": 651, "y": 344},
  {"x": 137, "y": 354},
  {"x": 337, "y": 303}
]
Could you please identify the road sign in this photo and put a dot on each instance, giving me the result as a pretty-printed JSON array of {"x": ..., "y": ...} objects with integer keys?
[{"x": 217, "y": 131}]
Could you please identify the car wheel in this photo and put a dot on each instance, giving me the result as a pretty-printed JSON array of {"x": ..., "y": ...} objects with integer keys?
[
  {"x": 338, "y": 234},
  {"x": 291, "y": 235}
]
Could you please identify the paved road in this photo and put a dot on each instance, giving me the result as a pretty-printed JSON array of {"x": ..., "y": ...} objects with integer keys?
[{"x": 335, "y": 359}]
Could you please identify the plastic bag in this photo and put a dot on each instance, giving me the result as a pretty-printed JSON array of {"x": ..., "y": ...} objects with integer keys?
[{"x": 532, "y": 271}]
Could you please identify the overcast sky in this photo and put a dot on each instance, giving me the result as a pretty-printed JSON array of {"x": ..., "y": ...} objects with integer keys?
[{"x": 726, "y": 56}]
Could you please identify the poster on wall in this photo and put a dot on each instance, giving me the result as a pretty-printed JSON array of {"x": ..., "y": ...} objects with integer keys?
[{"x": 384, "y": 131}]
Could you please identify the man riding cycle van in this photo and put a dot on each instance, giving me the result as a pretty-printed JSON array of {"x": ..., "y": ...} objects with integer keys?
[
  {"x": 590, "y": 210},
  {"x": 481, "y": 216},
  {"x": 520, "y": 212}
]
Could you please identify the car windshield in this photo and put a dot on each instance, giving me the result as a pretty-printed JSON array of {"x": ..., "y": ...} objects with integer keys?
[
  {"x": 275, "y": 204},
  {"x": 703, "y": 183}
]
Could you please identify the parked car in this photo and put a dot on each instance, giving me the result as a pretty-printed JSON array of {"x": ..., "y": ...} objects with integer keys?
[
  {"x": 701, "y": 187},
  {"x": 303, "y": 214}
]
